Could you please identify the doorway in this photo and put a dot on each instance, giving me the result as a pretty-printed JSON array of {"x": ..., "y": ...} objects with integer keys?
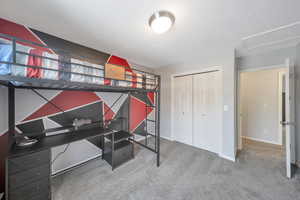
[
  {"x": 265, "y": 111},
  {"x": 261, "y": 109}
]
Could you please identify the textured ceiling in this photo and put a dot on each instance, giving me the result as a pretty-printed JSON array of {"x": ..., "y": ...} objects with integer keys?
[{"x": 202, "y": 28}]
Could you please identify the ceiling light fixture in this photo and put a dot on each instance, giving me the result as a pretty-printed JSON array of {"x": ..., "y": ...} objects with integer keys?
[{"x": 161, "y": 21}]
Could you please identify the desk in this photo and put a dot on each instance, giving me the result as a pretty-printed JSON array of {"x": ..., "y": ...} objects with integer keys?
[{"x": 28, "y": 170}]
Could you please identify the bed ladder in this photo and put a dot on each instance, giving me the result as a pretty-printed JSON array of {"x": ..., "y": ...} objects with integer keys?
[{"x": 146, "y": 125}]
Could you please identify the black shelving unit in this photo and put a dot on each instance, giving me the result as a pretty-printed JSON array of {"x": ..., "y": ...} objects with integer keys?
[{"x": 118, "y": 149}]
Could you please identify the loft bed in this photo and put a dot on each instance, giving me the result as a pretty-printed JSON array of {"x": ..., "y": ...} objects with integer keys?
[{"x": 23, "y": 66}]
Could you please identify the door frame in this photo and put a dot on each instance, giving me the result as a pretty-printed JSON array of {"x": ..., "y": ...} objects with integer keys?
[
  {"x": 186, "y": 73},
  {"x": 239, "y": 102},
  {"x": 280, "y": 107},
  {"x": 290, "y": 118}
]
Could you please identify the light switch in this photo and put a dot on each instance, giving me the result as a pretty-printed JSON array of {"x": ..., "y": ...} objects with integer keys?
[{"x": 226, "y": 107}]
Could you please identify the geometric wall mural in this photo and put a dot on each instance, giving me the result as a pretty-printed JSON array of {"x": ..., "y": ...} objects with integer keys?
[{"x": 97, "y": 106}]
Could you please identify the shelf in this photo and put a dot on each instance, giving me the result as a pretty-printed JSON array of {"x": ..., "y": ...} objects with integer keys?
[
  {"x": 118, "y": 146},
  {"x": 58, "y": 140},
  {"x": 123, "y": 152},
  {"x": 144, "y": 134},
  {"x": 119, "y": 136}
]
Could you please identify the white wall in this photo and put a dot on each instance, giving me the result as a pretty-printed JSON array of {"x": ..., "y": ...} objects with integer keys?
[
  {"x": 165, "y": 108},
  {"x": 266, "y": 59},
  {"x": 297, "y": 88},
  {"x": 226, "y": 60},
  {"x": 274, "y": 58},
  {"x": 141, "y": 67},
  {"x": 259, "y": 105}
]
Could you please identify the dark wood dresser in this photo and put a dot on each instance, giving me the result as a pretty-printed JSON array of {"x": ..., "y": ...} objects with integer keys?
[{"x": 28, "y": 176}]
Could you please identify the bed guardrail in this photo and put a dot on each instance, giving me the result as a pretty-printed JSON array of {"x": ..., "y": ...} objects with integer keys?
[{"x": 93, "y": 75}]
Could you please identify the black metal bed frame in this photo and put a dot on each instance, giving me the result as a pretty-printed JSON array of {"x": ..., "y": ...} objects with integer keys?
[{"x": 48, "y": 84}]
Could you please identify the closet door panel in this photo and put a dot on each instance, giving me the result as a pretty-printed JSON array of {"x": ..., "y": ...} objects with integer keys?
[
  {"x": 207, "y": 112},
  {"x": 199, "y": 110},
  {"x": 183, "y": 120}
]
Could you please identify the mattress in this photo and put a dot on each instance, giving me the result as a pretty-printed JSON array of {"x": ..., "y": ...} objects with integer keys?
[
  {"x": 76, "y": 67},
  {"x": 51, "y": 63},
  {"x": 5, "y": 56}
]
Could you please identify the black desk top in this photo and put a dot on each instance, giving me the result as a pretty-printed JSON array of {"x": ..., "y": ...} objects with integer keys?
[
  {"x": 119, "y": 136},
  {"x": 57, "y": 140}
]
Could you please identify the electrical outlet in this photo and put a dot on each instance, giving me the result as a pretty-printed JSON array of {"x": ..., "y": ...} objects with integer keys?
[
  {"x": 226, "y": 107},
  {"x": 265, "y": 132}
]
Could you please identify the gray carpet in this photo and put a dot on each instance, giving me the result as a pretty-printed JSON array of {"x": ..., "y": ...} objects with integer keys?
[{"x": 186, "y": 173}]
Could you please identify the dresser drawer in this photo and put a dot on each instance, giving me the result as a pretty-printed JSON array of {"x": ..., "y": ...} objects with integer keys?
[
  {"x": 26, "y": 177},
  {"x": 19, "y": 164},
  {"x": 39, "y": 190}
]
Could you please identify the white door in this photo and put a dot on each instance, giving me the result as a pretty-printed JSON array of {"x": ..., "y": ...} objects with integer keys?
[
  {"x": 290, "y": 118},
  {"x": 207, "y": 111},
  {"x": 183, "y": 105}
]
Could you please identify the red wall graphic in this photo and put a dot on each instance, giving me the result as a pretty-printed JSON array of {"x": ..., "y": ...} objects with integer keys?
[
  {"x": 66, "y": 100},
  {"x": 138, "y": 112},
  {"x": 119, "y": 61},
  {"x": 71, "y": 100},
  {"x": 20, "y": 31}
]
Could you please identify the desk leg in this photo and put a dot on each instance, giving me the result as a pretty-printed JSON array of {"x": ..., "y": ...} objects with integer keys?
[
  {"x": 112, "y": 150},
  {"x": 102, "y": 145}
]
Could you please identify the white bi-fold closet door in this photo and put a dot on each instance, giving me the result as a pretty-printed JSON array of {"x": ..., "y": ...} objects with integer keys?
[
  {"x": 183, "y": 109},
  {"x": 198, "y": 114},
  {"x": 207, "y": 111}
]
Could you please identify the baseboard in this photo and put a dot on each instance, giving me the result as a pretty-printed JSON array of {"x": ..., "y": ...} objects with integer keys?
[
  {"x": 227, "y": 157},
  {"x": 164, "y": 137},
  {"x": 167, "y": 138},
  {"x": 261, "y": 140},
  {"x": 142, "y": 138}
]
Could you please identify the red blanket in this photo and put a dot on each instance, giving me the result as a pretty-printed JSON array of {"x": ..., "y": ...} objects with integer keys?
[{"x": 35, "y": 61}]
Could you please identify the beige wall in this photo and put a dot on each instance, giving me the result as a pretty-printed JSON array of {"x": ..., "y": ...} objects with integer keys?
[{"x": 260, "y": 105}]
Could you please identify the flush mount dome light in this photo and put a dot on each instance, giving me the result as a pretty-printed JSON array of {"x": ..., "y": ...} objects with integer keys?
[{"x": 161, "y": 21}]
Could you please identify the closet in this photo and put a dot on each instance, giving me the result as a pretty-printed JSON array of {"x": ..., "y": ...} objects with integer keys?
[
  {"x": 183, "y": 109},
  {"x": 198, "y": 110}
]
